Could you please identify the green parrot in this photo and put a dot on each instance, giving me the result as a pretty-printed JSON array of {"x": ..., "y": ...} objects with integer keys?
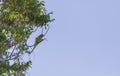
[{"x": 37, "y": 41}]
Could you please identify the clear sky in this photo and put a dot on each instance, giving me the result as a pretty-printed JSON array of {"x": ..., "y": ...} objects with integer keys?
[{"x": 84, "y": 40}]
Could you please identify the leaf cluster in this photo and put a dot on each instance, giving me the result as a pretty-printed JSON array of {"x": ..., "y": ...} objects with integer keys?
[{"x": 18, "y": 20}]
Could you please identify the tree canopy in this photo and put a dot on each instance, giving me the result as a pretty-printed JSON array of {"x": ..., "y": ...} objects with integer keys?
[{"x": 18, "y": 20}]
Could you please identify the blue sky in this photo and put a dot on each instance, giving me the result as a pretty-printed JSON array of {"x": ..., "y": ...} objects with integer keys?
[{"x": 84, "y": 40}]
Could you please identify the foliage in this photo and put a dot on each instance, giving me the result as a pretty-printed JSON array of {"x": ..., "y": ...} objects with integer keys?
[{"x": 18, "y": 20}]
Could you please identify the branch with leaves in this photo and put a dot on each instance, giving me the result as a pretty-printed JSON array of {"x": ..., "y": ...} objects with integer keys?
[{"x": 18, "y": 20}]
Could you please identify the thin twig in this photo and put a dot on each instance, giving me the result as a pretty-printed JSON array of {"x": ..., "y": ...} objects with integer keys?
[{"x": 12, "y": 52}]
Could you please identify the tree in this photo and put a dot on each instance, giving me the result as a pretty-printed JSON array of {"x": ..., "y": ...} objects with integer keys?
[{"x": 18, "y": 20}]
